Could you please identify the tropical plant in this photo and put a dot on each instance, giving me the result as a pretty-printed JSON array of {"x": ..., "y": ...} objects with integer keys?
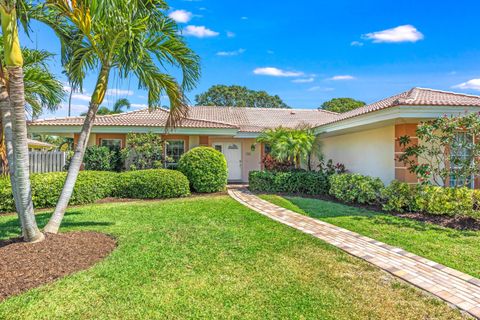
[
  {"x": 238, "y": 96},
  {"x": 133, "y": 37},
  {"x": 341, "y": 105},
  {"x": 143, "y": 151},
  {"x": 289, "y": 144},
  {"x": 12, "y": 100},
  {"x": 446, "y": 153}
]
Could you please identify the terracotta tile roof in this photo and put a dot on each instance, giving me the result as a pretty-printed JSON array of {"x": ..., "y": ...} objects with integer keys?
[
  {"x": 142, "y": 118},
  {"x": 258, "y": 119},
  {"x": 416, "y": 97}
]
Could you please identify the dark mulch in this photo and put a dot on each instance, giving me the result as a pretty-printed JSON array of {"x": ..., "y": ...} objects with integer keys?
[
  {"x": 28, "y": 265},
  {"x": 463, "y": 223}
]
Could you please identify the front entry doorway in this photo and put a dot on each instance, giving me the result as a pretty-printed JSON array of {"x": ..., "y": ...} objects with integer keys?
[{"x": 233, "y": 154}]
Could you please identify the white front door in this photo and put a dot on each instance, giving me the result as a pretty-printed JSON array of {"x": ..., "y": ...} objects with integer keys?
[{"x": 233, "y": 154}]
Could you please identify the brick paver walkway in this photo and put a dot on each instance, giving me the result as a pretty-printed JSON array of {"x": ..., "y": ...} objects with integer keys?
[{"x": 455, "y": 287}]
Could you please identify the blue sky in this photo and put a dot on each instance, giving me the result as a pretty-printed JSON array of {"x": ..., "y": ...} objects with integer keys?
[{"x": 308, "y": 52}]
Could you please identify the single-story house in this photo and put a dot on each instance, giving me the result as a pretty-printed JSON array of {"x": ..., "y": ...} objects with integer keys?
[{"x": 365, "y": 139}]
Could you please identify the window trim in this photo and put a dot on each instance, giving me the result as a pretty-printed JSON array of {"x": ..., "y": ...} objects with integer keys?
[{"x": 167, "y": 141}]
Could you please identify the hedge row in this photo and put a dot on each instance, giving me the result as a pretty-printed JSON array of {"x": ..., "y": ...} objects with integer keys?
[
  {"x": 306, "y": 182},
  {"x": 356, "y": 188},
  {"x": 95, "y": 185}
]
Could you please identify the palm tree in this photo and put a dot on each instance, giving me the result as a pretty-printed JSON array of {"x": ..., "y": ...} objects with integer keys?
[
  {"x": 14, "y": 117},
  {"x": 42, "y": 89},
  {"x": 120, "y": 104},
  {"x": 289, "y": 144},
  {"x": 117, "y": 108},
  {"x": 132, "y": 37}
]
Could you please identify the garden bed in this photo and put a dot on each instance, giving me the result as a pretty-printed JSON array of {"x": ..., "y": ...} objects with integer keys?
[
  {"x": 463, "y": 223},
  {"x": 28, "y": 265}
]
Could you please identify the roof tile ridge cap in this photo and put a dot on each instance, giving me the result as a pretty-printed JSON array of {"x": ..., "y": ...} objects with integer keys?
[
  {"x": 328, "y": 111},
  {"x": 449, "y": 92},
  {"x": 120, "y": 114}
]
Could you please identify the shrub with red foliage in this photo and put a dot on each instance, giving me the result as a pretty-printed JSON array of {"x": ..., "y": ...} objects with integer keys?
[{"x": 271, "y": 164}]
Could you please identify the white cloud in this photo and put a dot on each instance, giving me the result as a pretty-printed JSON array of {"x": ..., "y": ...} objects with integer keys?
[
  {"x": 199, "y": 32},
  {"x": 275, "y": 72},
  {"x": 244, "y": 18},
  {"x": 473, "y": 84},
  {"x": 342, "y": 77},
  {"x": 119, "y": 92},
  {"x": 316, "y": 88},
  {"x": 230, "y": 53},
  {"x": 405, "y": 33},
  {"x": 304, "y": 80},
  {"x": 181, "y": 16},
  {"x": 356, "y": 44},
  {"x": 81, "y": 96},
  {"x": 231, "y": 34}
]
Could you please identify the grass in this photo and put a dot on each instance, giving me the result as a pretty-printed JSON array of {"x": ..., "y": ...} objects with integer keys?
[
  {"x": 210, "y": 257},
  {"x": 457, "y": 249}
]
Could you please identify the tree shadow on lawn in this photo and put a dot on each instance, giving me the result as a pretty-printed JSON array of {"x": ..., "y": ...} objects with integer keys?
[
  {"x": 11, "y": 228},
  {"x": 329, "y": 209}
]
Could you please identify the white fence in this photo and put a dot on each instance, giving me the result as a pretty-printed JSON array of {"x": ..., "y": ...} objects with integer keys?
[{"x": 47, "y": 161}]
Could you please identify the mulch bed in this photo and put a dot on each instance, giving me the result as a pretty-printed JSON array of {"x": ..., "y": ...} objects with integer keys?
[
  {"x": 458, "y": 222},
  {"x": 28, "y": 265}
]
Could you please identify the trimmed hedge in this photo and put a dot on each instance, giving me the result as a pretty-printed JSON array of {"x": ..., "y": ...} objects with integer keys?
[
  {"x": 152, "y": 184},
  {"x": 46, "y": 188},
  {"x": 205, "y": 168},
  {"x": 401, "y": 197},
  {"x": 355, "y": 188},
  {"x": 306, "y": 182}
]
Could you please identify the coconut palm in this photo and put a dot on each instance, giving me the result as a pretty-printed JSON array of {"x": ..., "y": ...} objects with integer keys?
[
  {"x": 133, "y": 38},
  {"x": 12, "y": 100}
]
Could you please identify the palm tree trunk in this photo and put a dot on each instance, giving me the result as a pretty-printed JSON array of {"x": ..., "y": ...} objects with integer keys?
[
  {"x": 21, "y": 167},
  {"x": 7, "y": 141},
  {"x": 77, "y": 158}
]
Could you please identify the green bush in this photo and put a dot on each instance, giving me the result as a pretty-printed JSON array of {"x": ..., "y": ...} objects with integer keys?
[
  {"x": 46, "y": 188},
  {"x": 352, "y": 188},
  {"x": 305, "y": 182},
  {"x": 102, "y": 159},
  {"x": 400, "y": 197},
  {"x": 205, "y": 168},
  {"x": 152, "y": 184}
]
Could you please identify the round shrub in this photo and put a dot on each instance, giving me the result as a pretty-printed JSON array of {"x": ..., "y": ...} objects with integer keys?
[
  {"x": 152, "y": 184},
  {"x": 205, "y": 168},
  {"x": 353, "y": 188}
]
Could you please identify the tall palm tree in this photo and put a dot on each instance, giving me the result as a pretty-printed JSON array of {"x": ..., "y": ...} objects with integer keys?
[
  {"x": 14, "y": 117},
  {"x": 132, "y": 37},
  {"x": 42, "y": 89}
]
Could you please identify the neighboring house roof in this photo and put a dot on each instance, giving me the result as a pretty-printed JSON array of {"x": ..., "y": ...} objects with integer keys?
[
  {"x": 258, "y": 119},
  {"x": 416, "y": 97}
]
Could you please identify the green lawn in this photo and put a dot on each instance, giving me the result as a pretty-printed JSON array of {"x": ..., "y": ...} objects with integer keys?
[
  {"x": 210, "y": 257},
  {"x": 457, "y": 249}
]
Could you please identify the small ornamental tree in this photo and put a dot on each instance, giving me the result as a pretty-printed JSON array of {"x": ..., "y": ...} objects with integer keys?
[
  {"x": 447, "y": 153},
  {"x": 143, "y": 151}
]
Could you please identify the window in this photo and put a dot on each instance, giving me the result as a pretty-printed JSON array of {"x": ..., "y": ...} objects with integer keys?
[
  {"x": 459, "y": 155},
  {"x": 174, "y": 150},
  {"x": 267, "y": 149},
  {"x": 218, "y": 147},
  {"x": 111, "y": 143}
]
